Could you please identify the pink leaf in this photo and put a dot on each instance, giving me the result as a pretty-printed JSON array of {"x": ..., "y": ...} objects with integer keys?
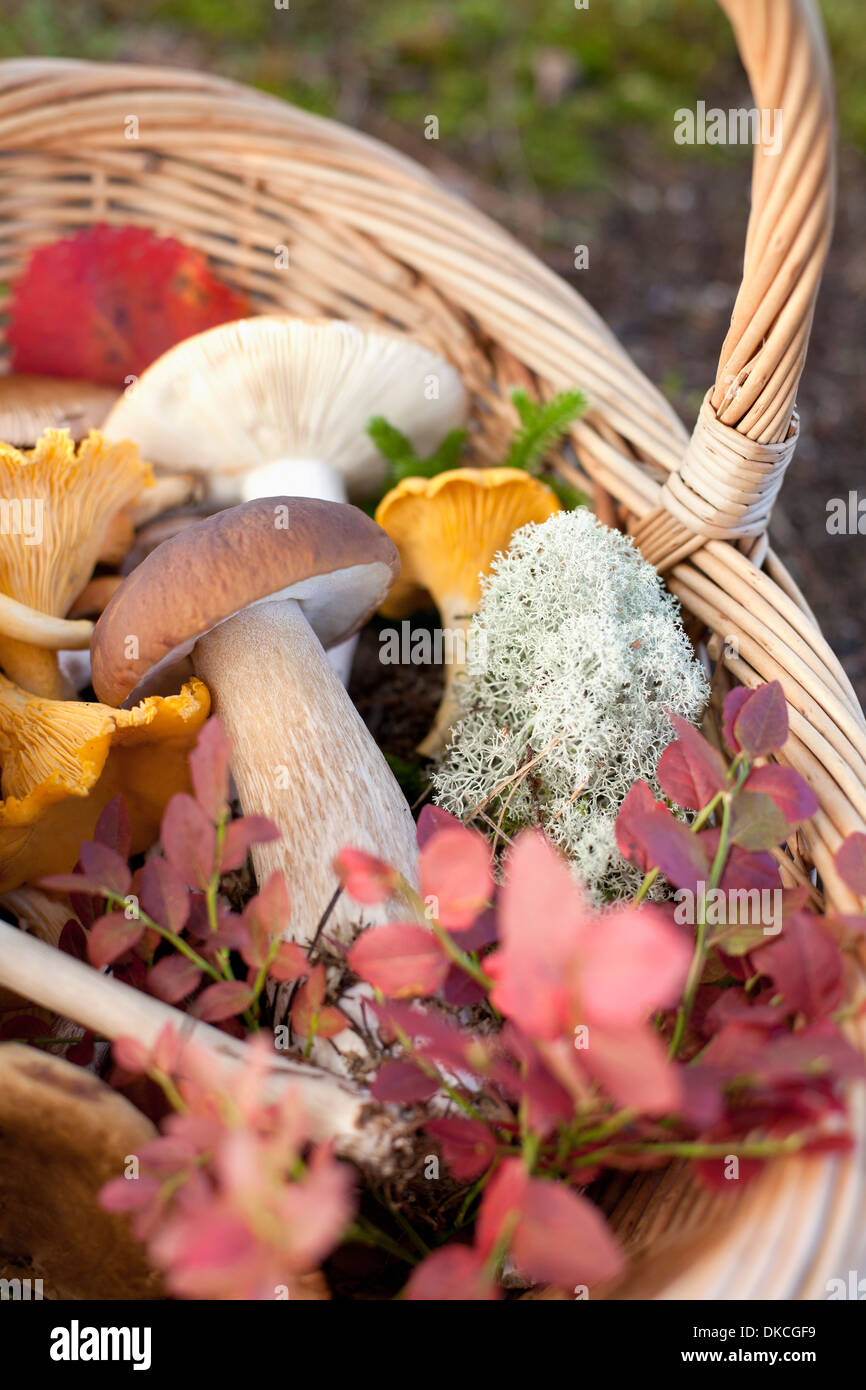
[
  {"x": 164, "y": 894},
  {"x": 310, "y": 1014},
  {"x": 401, "y": 959},
  {"x": 455, "y": 872},
  {"x": 632, "y": 1066},
  {"x": 638, "y": 962},
  {"x": 399, "y": 1083},
  {"x": 209, "y": 770},
  {"x": 671, "y": 847},
  {"x": 265, "y": 917},
  {"x": 761, "y": 726},
  {"x": 756, "y": 822},
  {"x": 189, "y": 840},
  {"x": 241, "y": 835},
  {"x": 112, "y": 828},
  {"x": 791, "y": 792},
  {"x": 111, "y": 936},
  {"x": 555, "y": 1235},
  {"x": 850, "y": 861},
  {"x": 290, "y": 962},
  {"x": 467, "y": 1146},
  {"x": 452, "y": 1274},
  {"x": 690, "y": 770},
  {"x": 131, "y": 1055},
  {"x": 638, "y": 801},
  {"x": 734, "y": 702},
  {"x": 431, "y": 821},
  {"x": 174, "y": 978},
  {"x": 532, "y": 986},
  {"x": 806, "y": 967},
  {"x": 223, "y": 1000},
  {"x": 106, "y": 866},
  {"x": 364, "y": 877}
]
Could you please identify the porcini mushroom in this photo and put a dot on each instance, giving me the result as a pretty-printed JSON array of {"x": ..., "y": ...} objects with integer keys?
[
  {"x": 447, "y": 530},
  {"x": 57, "y": 504},
  {"x": 253, "y": 594},
  {"x": 62, "y": 761},
  {"x": 275, "y": 406},
  {"x": 63, "y": 1135},
  {"x": 29, "y": 405}
]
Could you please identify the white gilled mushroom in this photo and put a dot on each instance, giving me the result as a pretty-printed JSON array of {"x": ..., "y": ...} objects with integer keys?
[
  {"x": 253, "y": 594},
  {"x": 274, "y": 406}
]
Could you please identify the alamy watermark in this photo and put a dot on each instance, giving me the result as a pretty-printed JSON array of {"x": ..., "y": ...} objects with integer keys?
[
  {"x": 718, "y": 907},
  {"x": 22, "y": 516},
  {"x": 441, "y": 646},
  {"x": 738, "y": 126}
]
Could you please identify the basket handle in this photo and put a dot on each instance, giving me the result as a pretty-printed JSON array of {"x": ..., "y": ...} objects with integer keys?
[{"x": 747, "y": 428}]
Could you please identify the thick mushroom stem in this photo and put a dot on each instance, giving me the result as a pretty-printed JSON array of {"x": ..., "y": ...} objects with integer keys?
[
  {"x": 304, "y": 477},
  {"x": 303, "y": 757}
]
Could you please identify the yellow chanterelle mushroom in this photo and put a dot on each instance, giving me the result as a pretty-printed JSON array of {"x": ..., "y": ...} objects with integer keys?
[
  {"x": 448, "y": 530},
  {"x": 62, "y": 761}
]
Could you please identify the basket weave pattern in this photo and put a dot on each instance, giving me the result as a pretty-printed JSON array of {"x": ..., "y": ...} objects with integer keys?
[{"x": 372, "y": 237}]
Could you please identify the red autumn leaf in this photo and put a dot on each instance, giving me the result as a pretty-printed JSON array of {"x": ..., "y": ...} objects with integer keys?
[
  {"x": 632, "y": 1066},
  {"x": 399, "y": 1083},
  {"x": 556, "y": 1235},
  {"x": 460, "y": 991},
  {"x": 455, "y": 873},
  {"x": 173, "y": 978},
  {"x": 761, "y": 724},
  {"x": 73, "y": 940},
  {"x": 209, "y": 769},
  {"x": 15, "y": 1026},
  {"x": 638, "y": 801},
  {"x": 431, "y": 821},
  {"x": 290, "y": 962},
  {"x": 222, "y": 1000},
  {"x": 364, "y": 877},
  {"x": 112, "y": 828},
  {"x": 130, "y": 1055},
  {"x": 241, "y": 835},
  {"x": 791, "y": 792},
  {"x": 163, "y": 894},
  {"x": 636, "y": 961},
  {"x": 401, "y": 959},
  {"x": 309, "y": 1011},
  {"x": 806, "y": 967},
  {"x": 467, "y": 1146},
  {"x": 850, "y": 861},
  {"x": 269, "y": 911},
  {"x": 189, "y": 840},
  {"x": 105, "y": 866},
  {"x": 111, "y": 936},
  {"x": 452, "y": 1274},
  {"x": 123, "y": 295},
  {"x": 690, "y": 770},
  {"x": 429, "y": 1034},
  {"x": 756, "y": 822},
  {"x": 670, "y": 846},
  {"x": 734, "y": 702}
]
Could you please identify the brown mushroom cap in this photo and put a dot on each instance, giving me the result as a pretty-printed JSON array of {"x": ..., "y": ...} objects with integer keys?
[
  {"x": 328, "y": 556},
  {"x": 30, "y": 405},
  {"x": 63, "y": 1135}
]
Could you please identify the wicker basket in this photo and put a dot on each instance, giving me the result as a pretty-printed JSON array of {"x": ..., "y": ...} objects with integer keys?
[{"x": 372, "y": 237}]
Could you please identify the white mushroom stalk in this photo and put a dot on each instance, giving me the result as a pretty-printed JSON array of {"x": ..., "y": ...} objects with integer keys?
[
  {"x": 275, "y": 406},
  {"x": 251, "y": 605},
  {"x": 337, "y": 1111}
]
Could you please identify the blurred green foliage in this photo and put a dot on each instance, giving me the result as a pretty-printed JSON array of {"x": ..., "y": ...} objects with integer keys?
[{"x": 528, "y": 89}]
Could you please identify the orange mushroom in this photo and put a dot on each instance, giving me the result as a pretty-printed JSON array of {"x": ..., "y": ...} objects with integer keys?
[
  {"x": 62, "y": 761},
  {"x": 448, "y": 530},
  {"x": 58, "y": 504}
]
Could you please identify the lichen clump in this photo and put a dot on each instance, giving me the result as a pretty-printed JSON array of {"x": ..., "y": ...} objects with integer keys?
[{"x": 577, "y": 653}]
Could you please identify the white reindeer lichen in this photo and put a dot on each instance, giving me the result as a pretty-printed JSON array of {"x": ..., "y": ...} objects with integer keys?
[{"x": 576, "y": 653}]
